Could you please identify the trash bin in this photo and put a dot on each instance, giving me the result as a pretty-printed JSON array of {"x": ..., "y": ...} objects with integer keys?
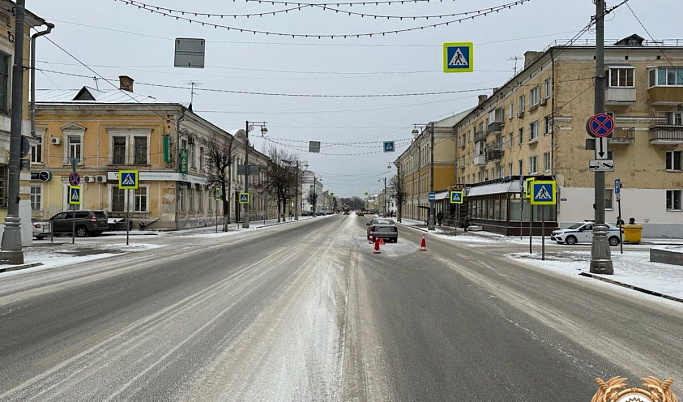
[{"x": 632, "y": 233}]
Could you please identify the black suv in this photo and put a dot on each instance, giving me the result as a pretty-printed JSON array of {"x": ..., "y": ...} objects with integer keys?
[{"x": 88, "y": 222}]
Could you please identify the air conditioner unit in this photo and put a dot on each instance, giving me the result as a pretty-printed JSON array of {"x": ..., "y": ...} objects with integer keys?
[
  {"x": 543, "y": 101},
  {"x": 520, "y": 113},
  {"x": 101, "y": 179},
  {"x": 55, "y": 140},
  {"x": 88, "y": 179}
]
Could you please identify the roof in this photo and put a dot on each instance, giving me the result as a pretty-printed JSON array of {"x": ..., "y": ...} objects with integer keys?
[{"x": 91, "y": 95}]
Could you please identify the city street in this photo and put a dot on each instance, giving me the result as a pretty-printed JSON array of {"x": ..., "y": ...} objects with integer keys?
[{"x": 307, "y": 312}]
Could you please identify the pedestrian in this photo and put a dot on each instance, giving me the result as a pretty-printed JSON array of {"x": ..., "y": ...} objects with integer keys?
[
  {"x": 631, "y": 221},
  {"x": 466, "y": 222},
  {"x": 439, "y": 217}
]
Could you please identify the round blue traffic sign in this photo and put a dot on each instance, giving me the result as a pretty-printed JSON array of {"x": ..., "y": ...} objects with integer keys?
[
  {"x": 601, "y": 125},
  {"x": 74, "y": 179}
]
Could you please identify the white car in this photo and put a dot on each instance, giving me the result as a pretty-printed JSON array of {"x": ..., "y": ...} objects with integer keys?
[{"x": 583, "y": 233}]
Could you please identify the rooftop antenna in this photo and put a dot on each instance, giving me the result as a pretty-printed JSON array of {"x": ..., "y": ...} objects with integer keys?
[
  {"x": 95, "y": 79},
  {"x": 515, "y": 59},
  {"x": 192, "y": 92}
]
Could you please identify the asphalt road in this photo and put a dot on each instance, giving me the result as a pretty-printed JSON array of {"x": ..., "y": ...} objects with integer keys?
[{"x": 307, "y": 312}]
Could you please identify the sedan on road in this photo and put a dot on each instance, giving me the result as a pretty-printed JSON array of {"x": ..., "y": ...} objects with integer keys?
[
  {"x": 583, "y": 233},
  {"x": 383, "y": 228}
]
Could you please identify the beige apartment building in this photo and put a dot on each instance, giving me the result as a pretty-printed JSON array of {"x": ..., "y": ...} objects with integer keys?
[
  {"x": 415, "y": 163},
  {"x": 535, "y": 126}
]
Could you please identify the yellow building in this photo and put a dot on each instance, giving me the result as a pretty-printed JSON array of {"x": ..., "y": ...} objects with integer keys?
[
  {"x": 112, "y": 130},
  {"x": 6, "y": 61},
  {"x": 535, "y": 126}
]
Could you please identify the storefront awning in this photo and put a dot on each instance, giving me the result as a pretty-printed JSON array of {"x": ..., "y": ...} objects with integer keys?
[
  {"x": 496, "y": 188},
  {"x": 441, "y": 195}
]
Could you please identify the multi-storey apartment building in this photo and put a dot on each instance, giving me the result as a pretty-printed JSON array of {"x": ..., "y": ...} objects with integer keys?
[
  {"x": 415, "y": 163},
  {"x": 535, "y": 126},
  {"x": 7, "y": 39},
  {"x": 110, "y": 130}
]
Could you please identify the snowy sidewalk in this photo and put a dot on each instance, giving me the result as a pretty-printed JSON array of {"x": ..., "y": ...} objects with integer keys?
[{"x": 632, "y": 269}]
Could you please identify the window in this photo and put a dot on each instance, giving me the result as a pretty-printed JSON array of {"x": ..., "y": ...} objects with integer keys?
[
  {"x": 546, "y": 161},
  {"x": 141, "y": 199},
  {"x": 202, "y": 160},
  {"x": 200, "y": 195},
  {"x": 501, "y": 171},
  {"x": 522, "y": 102},
  {"x": 533, "y": 96},
  {"x": 621, "y": 77},
  {"x": 521, "y": 167},
  {"x": 608, "y": 198},
  {"x": 182, "y": 199},
  {"x": 510, "y": 169},
  {"x": 501, "y": 145},
  {"x": 119, "y": 151},
  {"x": 193, "y": 156},
  {"x": 521, "y": 136},
  {"x": 37, "y": 151},
  {"x": 673, "y": 200},
  {"x": 5, "y": 64},
  {"x": 546, "y": 88},
  {"x": 533, "y": 165},
  {"x": 533, "y": 131},
  {"x": 36, "y": 197},
  {"x": 118, "y": 199},
  {"x": 512, "y": 109},
  {"x": 140, "y": 151},
  {"x": 673, "y": 161},
  {"x": 74, "y": 148},
  {"x": 665, "y": 76},
  {"x": 191, "y": 196},
  {"x": 548, "y": 125},
  {"x": 674, "y": 118}
]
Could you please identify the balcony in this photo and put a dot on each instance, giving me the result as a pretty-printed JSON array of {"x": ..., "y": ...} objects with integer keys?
[
  {"x": 615, "y": 96},
  {"x": 494, "y": 128},
  {"x": 623, "y": 136},
  {"x": 480, "y": 160},
  {"x": 479, "y": 136},
  {"x": 666, "y": 134},
  {"x": 494, "y": 155},
  {"x": 666, "y": 95}
]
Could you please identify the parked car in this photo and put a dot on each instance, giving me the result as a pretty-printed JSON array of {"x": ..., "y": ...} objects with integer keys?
[
  {"x": 384, "y": 228},
  {"x": 583, "y": 233},
  {"x": 88, "y": 222},
  {"x": 360, "y": 213}
]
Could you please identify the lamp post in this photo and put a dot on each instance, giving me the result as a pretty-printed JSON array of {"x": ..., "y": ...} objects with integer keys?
[
  {"x": 430, "y": 127},
  {"x": 248, "y": 128}
]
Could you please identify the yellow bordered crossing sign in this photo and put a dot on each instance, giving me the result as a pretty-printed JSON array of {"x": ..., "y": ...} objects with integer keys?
[
  {"x": 456, "y": 197},
  {"x": 128, "y": 179},
  {"x": 543, "y": 192},
  {"x": 74, "y": 195},
  {"x": 244, "y": 198},
  {"x": 527, "y": 187},
  {"x": 457, "y": 57}
]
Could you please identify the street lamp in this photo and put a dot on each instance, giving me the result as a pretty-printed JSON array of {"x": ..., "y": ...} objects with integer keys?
[
  {"x": 430, "y": 127},
  {"x": 249, "y": 127}
]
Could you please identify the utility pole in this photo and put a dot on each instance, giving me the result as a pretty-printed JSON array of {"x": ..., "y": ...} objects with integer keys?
[
  {"x": 12, "y": 252},
  {"x": 601, "y": 260},
  {"x": 430, "y": 222},
  {"x": 247, "y": 128}
]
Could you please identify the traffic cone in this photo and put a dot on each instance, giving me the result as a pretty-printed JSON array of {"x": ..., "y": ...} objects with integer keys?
[
  {"x": 377, "y": 247},
  {"x": 371, "y": 240},
  {"x": 423, "y": 245}
]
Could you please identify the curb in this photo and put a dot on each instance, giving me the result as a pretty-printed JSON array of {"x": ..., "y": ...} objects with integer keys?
[
  {"x": 639, "y": 289},
  {"x": 18, "y": 267}
]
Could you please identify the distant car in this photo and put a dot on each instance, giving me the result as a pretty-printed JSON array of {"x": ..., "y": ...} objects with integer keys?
[
  {"x": 583, "y": 233},
  {"x": 360, "y": 213},
  {"x": 88, "y": 222},
  {"x": 383, "y": 228}
]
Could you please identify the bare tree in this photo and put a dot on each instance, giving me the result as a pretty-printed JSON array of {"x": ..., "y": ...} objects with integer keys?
[
  {"x": 219, "y": 159},
  {"x": 399, "y": 193},
  {"x": 281, "y": 177}
]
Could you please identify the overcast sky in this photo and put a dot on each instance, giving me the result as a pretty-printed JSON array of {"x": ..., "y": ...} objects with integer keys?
[{"x": 114, "y": 38}]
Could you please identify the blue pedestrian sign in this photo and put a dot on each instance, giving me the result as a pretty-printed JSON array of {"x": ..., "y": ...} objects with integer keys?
[
  {"x": 432, "y": 197},
  {"x": 74, "y": 195},
  {"x": 244, "y": 198},
  {"x": 388, "y": 146},
  {"x": 543, "y": 192},
  {"x": 457, "y": 57},
  {"x": 128, "y": 179},
  {"x": 456, "y": 197}
]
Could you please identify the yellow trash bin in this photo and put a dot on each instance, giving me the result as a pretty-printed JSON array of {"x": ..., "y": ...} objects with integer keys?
[{"x": 632, "y": 233}]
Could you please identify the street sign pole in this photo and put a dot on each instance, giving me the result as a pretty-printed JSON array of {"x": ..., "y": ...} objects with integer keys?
[
  {"x": 127, "y": 215},
  {"x": 73, "y": 206},
  {"x": 601, "y": 262},
  {"x": 542, "y": 232},
  {"x": 617, "y": 190}
]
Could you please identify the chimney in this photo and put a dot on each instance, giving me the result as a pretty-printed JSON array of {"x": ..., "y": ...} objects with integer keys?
[
  {"x": 482, "y": 99},
  {"x": 530, "y": 57},
  {"x": 126, "y": 83}
]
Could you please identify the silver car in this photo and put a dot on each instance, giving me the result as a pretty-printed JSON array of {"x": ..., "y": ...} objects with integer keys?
[{"x": 383, "y": 228}]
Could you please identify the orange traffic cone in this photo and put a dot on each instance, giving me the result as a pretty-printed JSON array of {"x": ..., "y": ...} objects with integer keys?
[
  {"x": 423, "y": 246},
  {"x": 377, "y": 247}
]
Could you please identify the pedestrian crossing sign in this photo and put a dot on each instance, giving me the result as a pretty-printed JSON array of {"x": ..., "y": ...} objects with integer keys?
[
  {"x": 527, "y": 187},
  {"x": 128, "y": 179},
  {"x": 388, "y": 146},
  {"x": 244, "y": 198},
  {"x": 74, "y": 195},
  {"x": 457, "y": 57},
  {"x": 456, "y": 197},
  {"x": 543, "y": 192}
]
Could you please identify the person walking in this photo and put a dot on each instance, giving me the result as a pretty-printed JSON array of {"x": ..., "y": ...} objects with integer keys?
[
  {"x": 439, "y": 217},
  {"x": 466, "y": 222}
]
